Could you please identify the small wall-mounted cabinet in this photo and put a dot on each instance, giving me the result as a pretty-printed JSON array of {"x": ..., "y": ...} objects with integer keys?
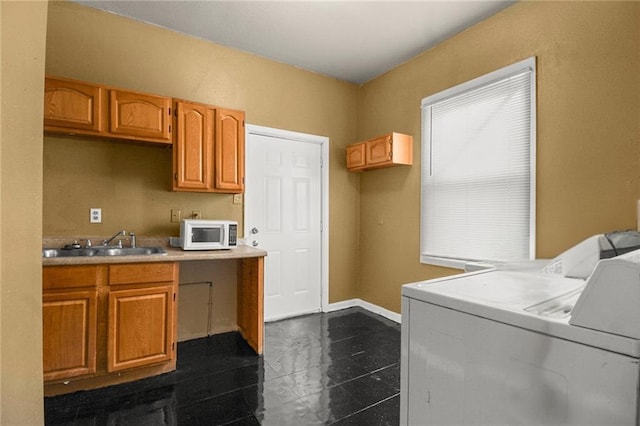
[
  {"x": 208, "y": 151},
  {"x": 393, "y": 149},
  {"x": 77, "y": 107}
]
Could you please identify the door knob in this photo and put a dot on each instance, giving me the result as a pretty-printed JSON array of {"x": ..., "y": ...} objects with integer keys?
[
  {"x": 254, "y": 230},
  {"x": 254, "y": 243}
]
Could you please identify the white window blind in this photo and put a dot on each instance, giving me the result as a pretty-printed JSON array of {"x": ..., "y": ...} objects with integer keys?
[{"x": 478, "y": 169}]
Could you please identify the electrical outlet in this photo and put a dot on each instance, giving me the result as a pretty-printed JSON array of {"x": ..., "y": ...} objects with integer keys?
[
  {"x": 95, "y": 215},
  {"x": 175, "y": 215},
  {"x": 196, "y": 214},
  {"x": 237, "y": 198}
]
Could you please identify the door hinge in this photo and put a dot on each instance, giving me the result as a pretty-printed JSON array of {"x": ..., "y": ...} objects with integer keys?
[
  {"x": 175, "y": 176},
  {"x": 169, "y": 111},
  {"x": 174, "y": 297},
  {"x": 173, "y": 346}
]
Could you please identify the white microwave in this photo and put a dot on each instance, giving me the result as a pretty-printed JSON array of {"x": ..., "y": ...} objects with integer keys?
[{"x": 199, "y": 234}]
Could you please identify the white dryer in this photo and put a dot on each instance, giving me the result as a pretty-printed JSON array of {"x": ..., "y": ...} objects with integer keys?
[{"x": 523, "y": 347}]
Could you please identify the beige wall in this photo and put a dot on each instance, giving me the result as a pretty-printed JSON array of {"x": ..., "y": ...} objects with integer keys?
[
  {"x": 22, "y": 36},
  {"x": 588, "y": 110},
  {"x": 588, "y": 76},
  {"x": 131, "y": 183}
]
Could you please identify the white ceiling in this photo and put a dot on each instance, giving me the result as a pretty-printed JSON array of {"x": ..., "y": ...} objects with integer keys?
[{"x": 354, "y": 41}]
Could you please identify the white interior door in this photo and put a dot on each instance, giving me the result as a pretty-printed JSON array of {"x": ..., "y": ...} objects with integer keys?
[{"x": 283, "y": 215}]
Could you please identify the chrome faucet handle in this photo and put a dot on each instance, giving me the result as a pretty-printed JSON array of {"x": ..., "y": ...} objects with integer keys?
[
  {"x": 107, "y": 241},
  {"x": 132, "y": 238},
  {"x": 87, "y": 243}
]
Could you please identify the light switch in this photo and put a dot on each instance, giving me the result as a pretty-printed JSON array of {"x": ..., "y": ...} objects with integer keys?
[{"x": 175, "y": 215}]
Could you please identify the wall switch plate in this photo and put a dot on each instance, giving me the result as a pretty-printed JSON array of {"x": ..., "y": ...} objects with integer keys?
[
  {"x": 175, "y": 215},
  {"x": 237, "y": 198},
  {"x": 95, "y": 215},
  {"x": 196, "y": 214}
]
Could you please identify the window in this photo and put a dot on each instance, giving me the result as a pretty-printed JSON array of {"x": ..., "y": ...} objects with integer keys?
[{"x": 478, "y": 169}]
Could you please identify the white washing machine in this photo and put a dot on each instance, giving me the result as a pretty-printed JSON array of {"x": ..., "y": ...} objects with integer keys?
[{"x": 523, "y": 347}]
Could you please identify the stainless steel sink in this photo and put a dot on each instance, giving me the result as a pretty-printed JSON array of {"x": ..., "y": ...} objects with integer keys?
[
  {"x": 130, "y": 251},
  {"x": 103, "y": 251},
  {"x": 69, "y": 252}
]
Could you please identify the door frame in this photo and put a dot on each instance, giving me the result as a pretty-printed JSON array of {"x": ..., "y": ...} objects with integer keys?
[{"x": 323, "y": 141}]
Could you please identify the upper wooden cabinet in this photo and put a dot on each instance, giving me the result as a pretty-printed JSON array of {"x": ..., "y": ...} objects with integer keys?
[
  {"x": 356, "y": 156},
  {"x": 209, "y": 149},
  {"x": 388, "y": 150},
  {"x": 193, "y": 147},
  {"x": 70, "y": 105},
  {"x": 77, "y": 107},
  {"x": 143, "y": 116},
  {"x": 229, "y": 151}
]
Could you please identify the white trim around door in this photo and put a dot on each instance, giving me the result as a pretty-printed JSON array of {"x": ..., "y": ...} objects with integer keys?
[{"x": 323, "y": 141}]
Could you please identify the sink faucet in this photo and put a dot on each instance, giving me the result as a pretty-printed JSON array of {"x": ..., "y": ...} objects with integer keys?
[{"x": 106, "y": 242}]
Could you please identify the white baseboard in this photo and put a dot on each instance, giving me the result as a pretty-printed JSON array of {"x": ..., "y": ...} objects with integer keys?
[{"x": 365, "y": 305}]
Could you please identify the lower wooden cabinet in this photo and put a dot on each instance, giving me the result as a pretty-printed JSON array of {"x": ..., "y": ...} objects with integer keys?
[
  {"x": 69, "y": 327},
  {"x": 107, "y": 324},
  {"x": 114, "y": 323},
  {"x": 140, "y": 327}
]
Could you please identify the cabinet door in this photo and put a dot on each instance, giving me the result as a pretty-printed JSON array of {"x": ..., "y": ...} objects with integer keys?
[
  {"x": 193, "y": 148},
  {"x": 229, "y": 151},
  {"x": 140, "y": 116},
  {"x": 69, "y": 326},
  {"x": 72, "y": 105},
  {"x": 140, "y": 327},
  {"x": 356, "y": 156},
  {"x": 378, "y": 151}
]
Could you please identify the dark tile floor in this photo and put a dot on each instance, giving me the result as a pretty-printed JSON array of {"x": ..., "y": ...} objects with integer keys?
[{"x": 339, "y": 368}]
